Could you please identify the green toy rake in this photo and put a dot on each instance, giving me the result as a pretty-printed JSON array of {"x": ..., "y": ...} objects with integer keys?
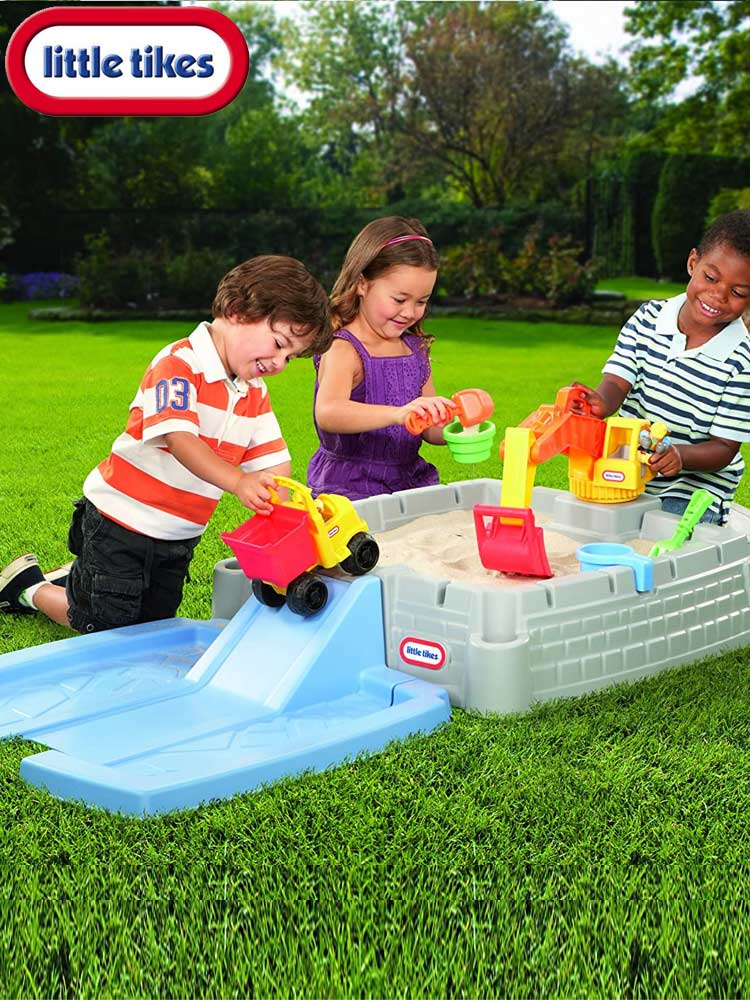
[{"x": 699, "y": 503}]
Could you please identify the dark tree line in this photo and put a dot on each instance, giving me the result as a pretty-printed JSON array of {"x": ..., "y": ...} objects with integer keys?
[{"x": 478, "y": 114}]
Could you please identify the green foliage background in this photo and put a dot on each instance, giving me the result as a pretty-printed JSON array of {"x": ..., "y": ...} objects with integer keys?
[{"x": 476, "y": 117}]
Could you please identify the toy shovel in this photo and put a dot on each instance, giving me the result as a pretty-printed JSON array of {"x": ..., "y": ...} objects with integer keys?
[
  {"x": 699, "y": 503},
  {"x": 471, "y": 406}
]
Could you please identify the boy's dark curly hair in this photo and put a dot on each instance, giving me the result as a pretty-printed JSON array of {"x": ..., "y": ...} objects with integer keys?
[
  {"x": 731, "y": 230},
  {"x": 282, "y": 290}
]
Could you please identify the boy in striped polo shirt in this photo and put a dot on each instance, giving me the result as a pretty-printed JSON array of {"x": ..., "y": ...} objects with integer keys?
[
  {"x": 686, "y": 362},
  {"x": 201, "y": 424}
]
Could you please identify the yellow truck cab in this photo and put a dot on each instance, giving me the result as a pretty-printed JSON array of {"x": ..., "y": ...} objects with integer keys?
[{"x": 280, "y": 551}]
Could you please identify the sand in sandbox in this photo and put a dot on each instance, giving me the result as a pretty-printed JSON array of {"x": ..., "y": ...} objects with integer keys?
[{"x": 444, "y": 547}]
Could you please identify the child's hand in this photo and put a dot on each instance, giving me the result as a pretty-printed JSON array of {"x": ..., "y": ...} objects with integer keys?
[
  {"x": 666, "y": 463},
  {"x": 594, "y": 400},
  {"x": 437, "y": 409},
  {"x": 253, "y": 490}
]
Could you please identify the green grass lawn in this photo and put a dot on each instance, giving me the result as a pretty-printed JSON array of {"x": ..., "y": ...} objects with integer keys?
[
  {"x": 594, "y": 847},
  {"x": 642, "y": 288}
]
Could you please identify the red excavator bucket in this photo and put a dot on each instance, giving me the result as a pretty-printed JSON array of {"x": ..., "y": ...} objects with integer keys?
[{"x": 509, "y": 541}]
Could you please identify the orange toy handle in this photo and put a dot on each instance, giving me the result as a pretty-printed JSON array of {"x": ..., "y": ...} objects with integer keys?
[
  {"x": 417, "y": 422},
  {"x": 471, "y": 406}
]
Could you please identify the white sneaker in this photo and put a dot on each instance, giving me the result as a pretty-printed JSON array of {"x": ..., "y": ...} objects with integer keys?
[{"x": 14, "y": 579}]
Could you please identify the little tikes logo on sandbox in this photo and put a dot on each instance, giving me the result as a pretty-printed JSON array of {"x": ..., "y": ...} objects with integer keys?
[
  {"x": 422, "y": 652},
  {"x": 127, "y": 61}
]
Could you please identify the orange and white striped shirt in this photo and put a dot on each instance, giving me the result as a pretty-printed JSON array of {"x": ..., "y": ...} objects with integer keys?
[{"x": 141, "y": 485}]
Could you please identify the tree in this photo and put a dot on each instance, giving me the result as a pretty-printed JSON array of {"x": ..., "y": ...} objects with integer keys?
[
  {"x": 264, "y": 163},
  {"x": 705, "y": 41},
  {"x": 155, "y": 172},
  {"x": 480, "y": 98},
  {"x": 497, "y": 99},
  {"x": 37, "y": 183},
  {"x": 347, "y": 59}
]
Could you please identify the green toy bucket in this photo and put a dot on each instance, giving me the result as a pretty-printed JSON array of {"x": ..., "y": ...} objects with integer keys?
[{"x": 468, "y": 446}]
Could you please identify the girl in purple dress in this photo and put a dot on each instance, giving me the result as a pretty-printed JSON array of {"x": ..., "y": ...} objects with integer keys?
[{"x": 377, "y": 371}]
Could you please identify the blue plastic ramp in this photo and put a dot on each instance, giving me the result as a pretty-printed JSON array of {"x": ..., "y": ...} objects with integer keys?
[{"x": 168, "y": 715}]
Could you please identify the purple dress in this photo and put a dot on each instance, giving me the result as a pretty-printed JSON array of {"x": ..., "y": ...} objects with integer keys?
[{"x": 382, "y": 461}]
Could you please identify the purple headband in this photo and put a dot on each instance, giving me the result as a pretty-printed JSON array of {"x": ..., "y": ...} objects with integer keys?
[{"x": 403, "y": 239}]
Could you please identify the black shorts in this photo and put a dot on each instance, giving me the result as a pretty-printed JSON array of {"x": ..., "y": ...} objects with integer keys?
[{"x": 121, "y": 577}]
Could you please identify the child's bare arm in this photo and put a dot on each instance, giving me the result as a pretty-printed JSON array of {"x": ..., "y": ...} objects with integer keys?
[
  {"x": 337, "y": 413},
  {"x": 250, "y": 488},
  {"x": 606, "y": 399},
  {"x": 434, "y": 434},
  {"x": 708, "y": 456}
]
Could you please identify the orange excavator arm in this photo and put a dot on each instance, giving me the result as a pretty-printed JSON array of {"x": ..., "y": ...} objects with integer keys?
[{"x": 557, "y": 429}]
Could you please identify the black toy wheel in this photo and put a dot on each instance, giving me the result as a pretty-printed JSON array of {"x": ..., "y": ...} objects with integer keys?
[
  {"x": 364, "y": 555},
  {"x": 265, "y": 593},
  {"x": 306, "y": 595}
]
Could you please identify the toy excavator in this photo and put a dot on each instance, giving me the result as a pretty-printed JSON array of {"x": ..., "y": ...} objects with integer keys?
[{"x": 607, "y": 463}]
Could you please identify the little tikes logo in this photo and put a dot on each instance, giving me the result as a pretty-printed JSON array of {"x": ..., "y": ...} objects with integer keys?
[
  {"x": 613, "y": 476},
  {"x": 127, "y": 61},
  {"x": 422, "y": 652}
]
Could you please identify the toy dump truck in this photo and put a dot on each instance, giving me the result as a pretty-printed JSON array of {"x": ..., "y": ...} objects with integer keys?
[{"x": 279, "y": 552}]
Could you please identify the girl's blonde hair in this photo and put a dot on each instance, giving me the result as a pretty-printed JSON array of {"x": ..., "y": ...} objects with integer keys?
[{"x": 370, "y": 257}]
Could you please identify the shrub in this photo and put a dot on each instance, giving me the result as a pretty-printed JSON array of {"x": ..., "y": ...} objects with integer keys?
[
  {"x": 113, "y": 281},
  {"x": 472, "y": 270},
  {"x": 727, "y": 200},
  {"x": 191, "y": 278},
  {"x": 42, "y": 285},
  {"x": 563, "y": 278},
  {"x": 522, "y": 271},
  {"x": 687, "y": 184},
  {"x": 138, "y": 279},
  {"x": 555, "y": 273}
]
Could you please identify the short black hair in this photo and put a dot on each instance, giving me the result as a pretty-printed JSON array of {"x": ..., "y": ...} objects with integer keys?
[{"x": 732, "y": 230}]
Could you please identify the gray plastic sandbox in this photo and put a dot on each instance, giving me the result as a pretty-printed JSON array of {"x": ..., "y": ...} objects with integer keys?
[{"x": 502, "y": 650}]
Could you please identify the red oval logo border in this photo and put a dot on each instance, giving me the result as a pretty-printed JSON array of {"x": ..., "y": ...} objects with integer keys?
[
  {"x": 204, "y": 17},
  {"x": 423, "y": 642}
]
